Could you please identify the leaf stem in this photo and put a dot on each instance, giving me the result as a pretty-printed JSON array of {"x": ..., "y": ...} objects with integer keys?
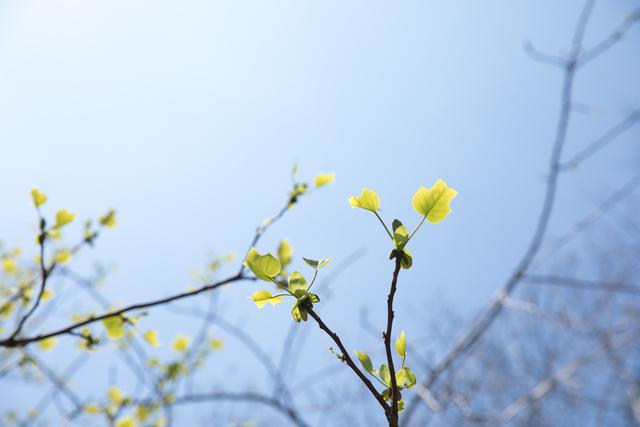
[{"x": 384, "y": 225}]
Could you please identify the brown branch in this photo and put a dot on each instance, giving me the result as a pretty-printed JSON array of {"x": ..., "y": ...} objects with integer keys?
[
  {"x": 18, "y": 342},
  {"x": 393, "y": 415},
  {"x": 347, "y": 359}
]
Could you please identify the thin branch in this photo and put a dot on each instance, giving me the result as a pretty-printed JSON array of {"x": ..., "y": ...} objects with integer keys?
[
  {"x": 582, "y": 284},
  {"x": 487, "y": 319},
  {"x": 347, "y": 359},
  {"x": 598, "y": 144},
  {"x": 393, "y": 415},
  {"x": 18, "y": 342},
  {"x": 608, "y": 42}
]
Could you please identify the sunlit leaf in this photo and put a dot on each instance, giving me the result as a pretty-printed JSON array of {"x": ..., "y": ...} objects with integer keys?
[
  {"x": 385, "y": 375},
  {"x": 401, "y": 344},
  {"x": 216, "y": 344},
  {"x": 297, "y": 282},
  {"x": 126, "y": 422},
  {"x": 62, "y": 257},
  {"x": 47, "y": 344},
  {"x": 63, "y": 217},
  {"x": 324, "y": 179},
  {"x": 265, "y": 267},
  {"x": 39, "y": 198},
  {"x": 400, "y": 234},
  {"x": 316, "y": 264},
  {"x": 261, "y": 298},
  {"x": 434, "y": 202},
  {"x": 151, "y": 336},
  {"x": 114, "y": 326},
  {"x": 368, "y": 200},
  {"x": 109, "y": 219},
  {"x": 285, "y": 251},
  {"x": 181, "y": 343},
  {"x": 365, "y": 361}
]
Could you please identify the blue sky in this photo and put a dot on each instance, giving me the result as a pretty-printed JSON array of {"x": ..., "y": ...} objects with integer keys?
[{"x": 188, "y": 116}]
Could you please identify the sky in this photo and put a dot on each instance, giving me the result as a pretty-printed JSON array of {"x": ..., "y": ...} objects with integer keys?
[{"x": 187, "y": 118}]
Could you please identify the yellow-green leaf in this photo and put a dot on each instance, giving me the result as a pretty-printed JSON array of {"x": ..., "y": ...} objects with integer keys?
[
  {"x": 114, "y": 326},
  {"x": 385, "y": 375},
  {"x": 109, "y": 219},
  {"x": 365, "y": 361},
  {"x": 9, "y": 265},
  {"x": 63, "y": 217},
  {"x": 181, "y": 343},
  {"x": 126, "y": 422},
  {"x": 401, "y": 344},
  {"x": 47, "y": 343},
  {"x": 324, "y": 179},
  {"x": 39, "y": 198},
  {"x": 297, "y": 282},
  {"x": 216, "y": 344},
  {"x": 265, "y": 267},
  {"x": 298, "y": 312},
  {"x": 62, "y": 257},
  {"x": 368, "y": 200},
  {"x": 285, "y": 251},
  {"x": 400, "y": 234},
  {"x": 260, "y": 298},
  {"x": 316, "y": 264},
  {"x": 434, "y": 202},
  {"x": 151, "y": 336}
]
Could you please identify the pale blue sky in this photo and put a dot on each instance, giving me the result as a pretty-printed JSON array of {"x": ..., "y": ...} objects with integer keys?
[{"x": 187, "y": 117}]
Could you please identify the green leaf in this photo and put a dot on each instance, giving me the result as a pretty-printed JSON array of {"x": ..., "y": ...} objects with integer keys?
[
  {"x": 297, "y": 283},
  {"x": 315, "y": 264},
  {"x": 368, "y": 200},
  {"x": 265, "y": 267},
  {"x": 406, "y": 260},
  {"x": 365, "y": 361},
  {"x": 434, "y": 202},
  {"x": 314, "y": 298},
  {"x": 401, "y": 345},
  {"x": 400, "y": 234},
  {"x": 400, "y": 405},
  {"x": 285, "y": 251},
  {"x": 298, "y": 312},
  {"x": 401, "y": 377},
  {"x": 263, "y": 297},
  {"x": 385, "y": 375},
  {"x": 411, "y": 378}
]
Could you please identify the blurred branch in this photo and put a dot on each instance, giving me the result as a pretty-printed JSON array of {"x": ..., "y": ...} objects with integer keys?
[
  {"x": 489, "y": 316},
  {"x": 608, "y": 137},
  {"x": 608, "y": 42},
  {"x": 581, "y": 284}
]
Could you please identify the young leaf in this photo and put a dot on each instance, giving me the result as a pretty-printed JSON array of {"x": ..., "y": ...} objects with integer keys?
[
  {"x": 298, "y": 312},
  {"x": 365, "y": 361},
  {"x": 47, "y": 343},
  {"x": 401, "y": 345},
  {"x": 263, "y": 297},
  {"x": 63, "y": 217},
  {"x": 39, "y": 198},
  {"x": 315, "y": 264},
  {"x": 401, "y": 377},
  {"x": 297, "y": 282},
  {"x": 181, "y": 343},
  {"x": 109, "y": 219},
  {"x": 324, "y": 179},
  {"x": 285, "y": 251},
  {"x": 385, "y": 375},
  {"x": 114, "y": 326},
  {"x": 151, "y": 337},
  {"x": 265, "y": 267},
  {"x": 434, "y": 202},
  {"x": 368, "y": 200},
  {"x": 400, "y": 234},
  {"x": 411, "y": 378}
]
